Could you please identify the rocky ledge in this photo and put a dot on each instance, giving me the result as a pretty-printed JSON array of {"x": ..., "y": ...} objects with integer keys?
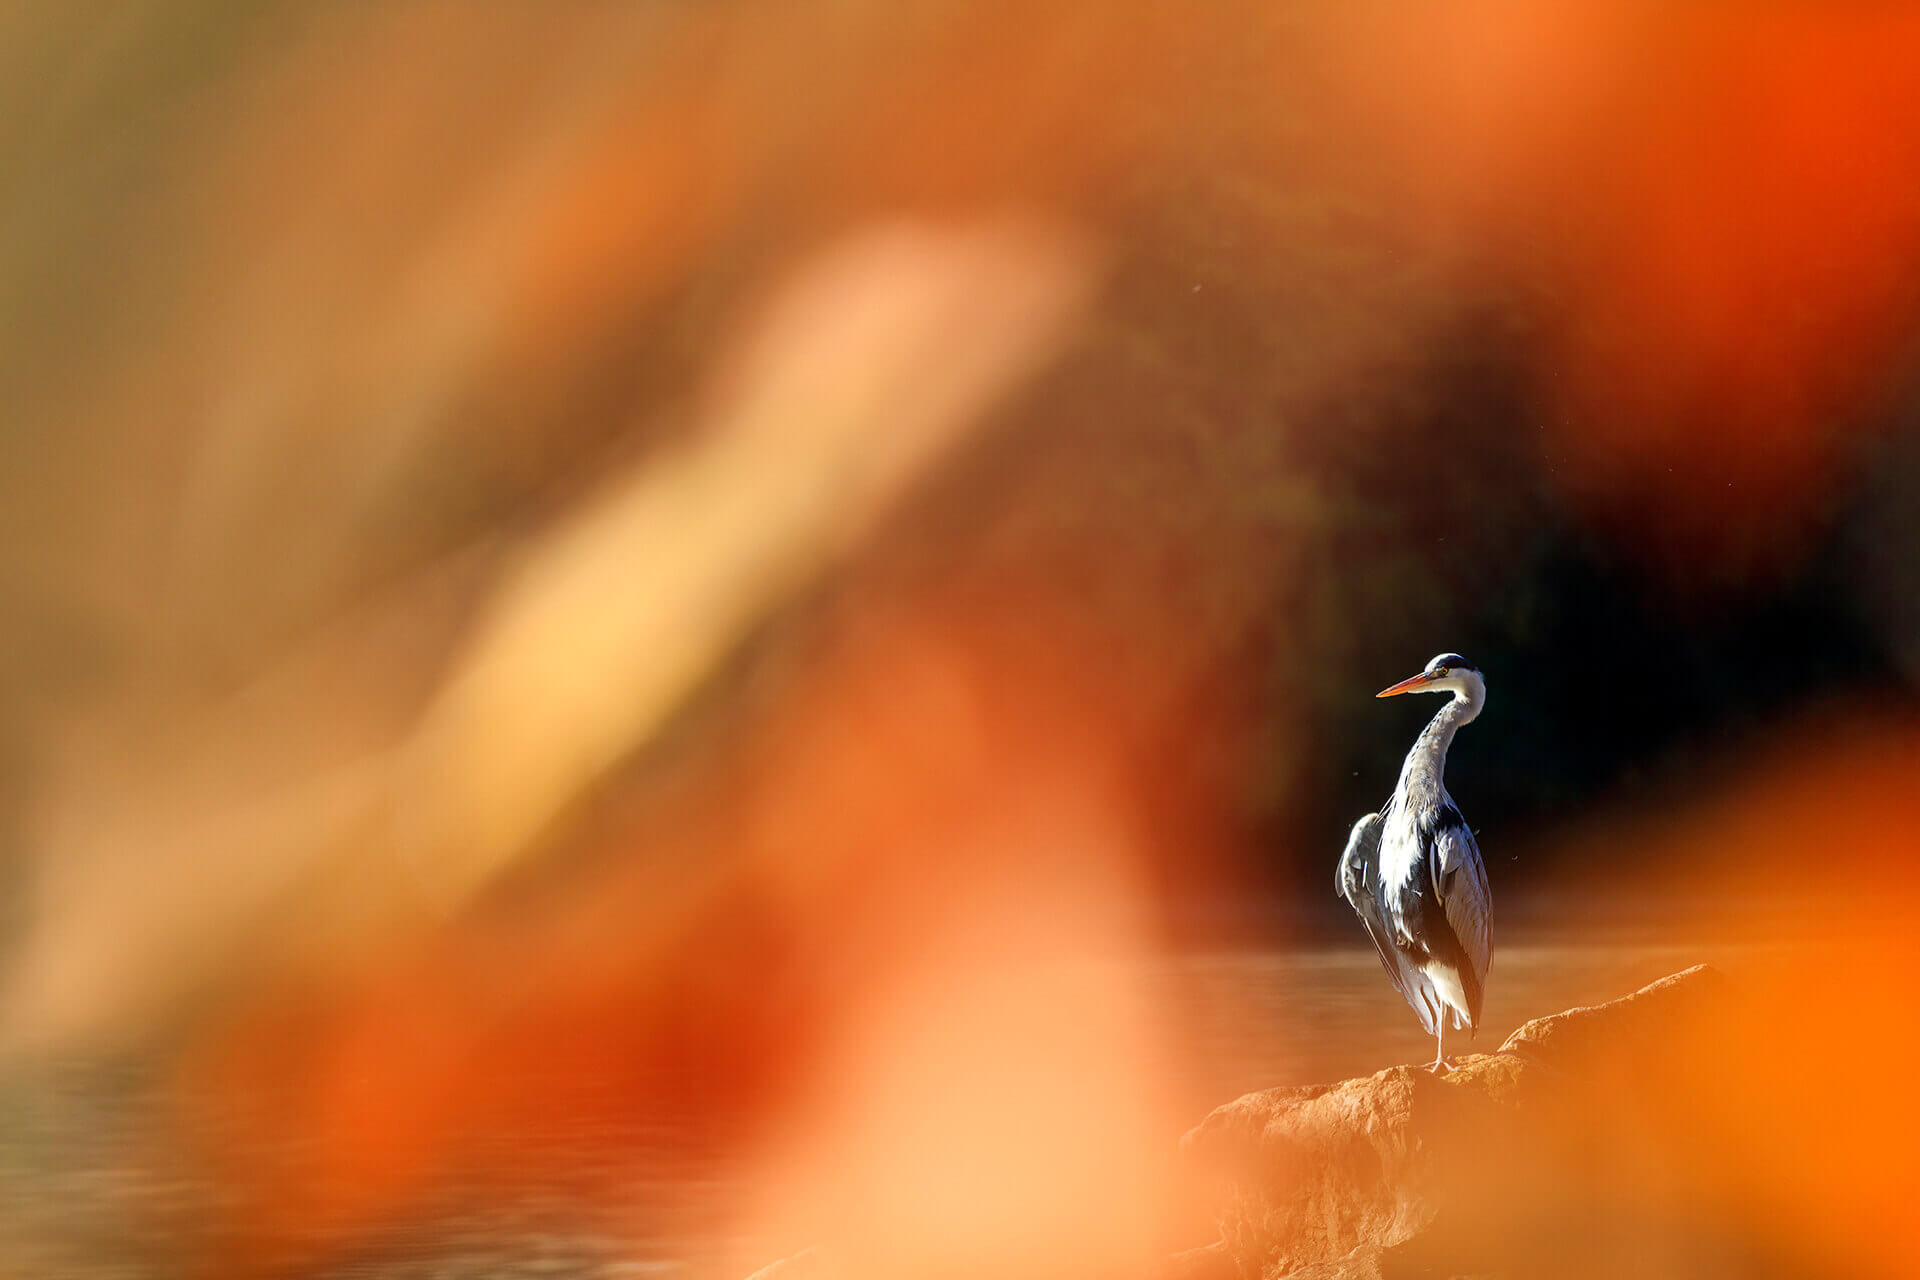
[
  {"x": 1575, "y": 1150},
  {"x": 1600, "y": 1142}
]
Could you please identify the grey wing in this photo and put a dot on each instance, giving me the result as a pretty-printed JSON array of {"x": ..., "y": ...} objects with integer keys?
[
  {"x": 1460, "y": 882},
  {"x": 1358, "y": 873}
]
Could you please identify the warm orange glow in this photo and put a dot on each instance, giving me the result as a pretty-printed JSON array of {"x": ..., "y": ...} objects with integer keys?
[
  {"x": 917, "y": 906},
  {"x": 734, "y": 568},
  {"x": 1720, "y": 201},
  {"x": 1801, "y": 851},
  {"x": 1739, "y": 281}
]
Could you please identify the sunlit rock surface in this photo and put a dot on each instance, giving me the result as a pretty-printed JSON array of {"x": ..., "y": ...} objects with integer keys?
[
  {"x": 1671, "y": 1133},
  {"x": 1573, "y": 1150}
]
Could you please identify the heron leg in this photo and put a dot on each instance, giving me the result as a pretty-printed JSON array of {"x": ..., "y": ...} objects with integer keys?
[{"x": 1440, "y": 1062}]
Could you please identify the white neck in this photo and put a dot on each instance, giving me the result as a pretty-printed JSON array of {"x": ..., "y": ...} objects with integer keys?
[{"x": 1421, "y": 775}]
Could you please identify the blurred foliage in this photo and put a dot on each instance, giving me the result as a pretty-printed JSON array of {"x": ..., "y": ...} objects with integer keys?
[
  {"x": 1296, "y": 445},
  {"x": 689, "y": 555}
]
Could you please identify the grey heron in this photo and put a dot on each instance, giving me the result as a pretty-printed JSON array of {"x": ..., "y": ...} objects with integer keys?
[{"x": 1413, "y": 872}]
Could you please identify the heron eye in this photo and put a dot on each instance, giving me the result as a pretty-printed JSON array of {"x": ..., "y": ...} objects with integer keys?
[{"x": 1439, "y": 671}]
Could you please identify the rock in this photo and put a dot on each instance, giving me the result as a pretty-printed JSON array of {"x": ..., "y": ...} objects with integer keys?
[
  {"x": 808, "y": 1264},
  {"x": 1365, "y": 1263},
  {"x": 1576, "y": 1128},
  {"x": 1314, "y": 1174},
  {"x": 1579, "y": 1149},
  {"x": 1209, "y": 1262},
  {"x": 1621, "y": 1032}
]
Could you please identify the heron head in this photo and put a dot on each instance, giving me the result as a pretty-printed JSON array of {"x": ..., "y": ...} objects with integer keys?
[{"x": 1447, "y": 673}]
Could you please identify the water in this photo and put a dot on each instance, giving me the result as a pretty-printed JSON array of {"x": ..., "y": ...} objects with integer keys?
[
  {"x": 83, "y": 1192},
  {"x": 1263, "y": 1018}
]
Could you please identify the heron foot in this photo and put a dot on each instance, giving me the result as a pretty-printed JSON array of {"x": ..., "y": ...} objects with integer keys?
[{"x": 1441, "y": 1065}]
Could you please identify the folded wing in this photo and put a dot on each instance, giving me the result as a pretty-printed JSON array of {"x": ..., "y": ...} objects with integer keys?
[
  {"x": 1460, "y": 883},
  {"x": 1356, "y": 881}
]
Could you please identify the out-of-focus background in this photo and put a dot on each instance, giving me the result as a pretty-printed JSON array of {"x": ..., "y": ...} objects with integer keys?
[{"x": 639, "y": 636}]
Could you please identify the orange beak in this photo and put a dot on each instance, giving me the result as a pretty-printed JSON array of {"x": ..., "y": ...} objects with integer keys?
[{"x": 1408, "y": 685}]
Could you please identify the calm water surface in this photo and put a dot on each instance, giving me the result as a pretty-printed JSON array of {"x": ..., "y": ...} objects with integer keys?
[{"x": 82, "y": 1192}]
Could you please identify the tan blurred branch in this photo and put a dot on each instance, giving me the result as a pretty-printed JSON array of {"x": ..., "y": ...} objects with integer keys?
[{"x": 861, "y": 373}]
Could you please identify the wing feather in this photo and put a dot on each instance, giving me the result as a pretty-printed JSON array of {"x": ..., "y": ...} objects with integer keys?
[
  {"x": 1354, "y": 880},
  {"x": 1460, "y": 884}
]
